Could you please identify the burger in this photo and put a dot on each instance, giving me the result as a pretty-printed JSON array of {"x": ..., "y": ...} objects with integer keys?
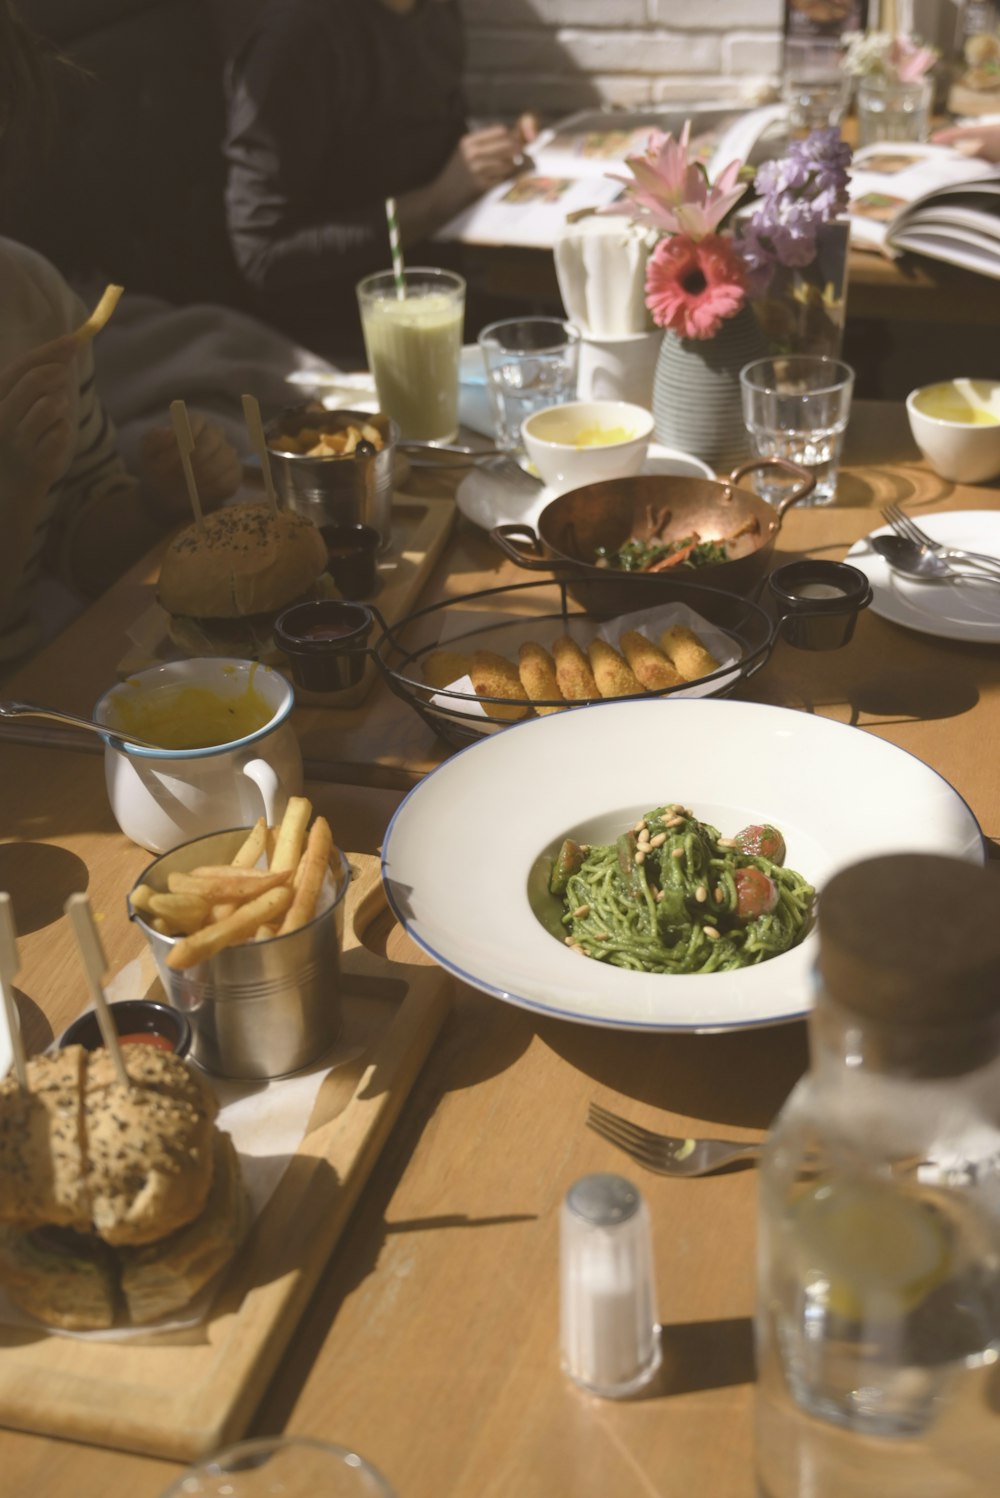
[
  {"x": 118, "y": 1204},
  {"x": 224, "y": 580}
]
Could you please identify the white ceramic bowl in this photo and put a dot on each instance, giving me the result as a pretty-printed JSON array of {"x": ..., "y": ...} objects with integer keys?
[
  {"x": 956, "y": 425},
  {"x": 565, "y": 444}
]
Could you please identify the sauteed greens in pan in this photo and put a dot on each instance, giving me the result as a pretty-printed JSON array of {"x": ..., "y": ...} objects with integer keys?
[
  {"x": 656, "y": 556},
  {"x": 671, "y": 895}
]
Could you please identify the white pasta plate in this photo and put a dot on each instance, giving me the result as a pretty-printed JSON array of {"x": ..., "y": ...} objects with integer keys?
[{"x": 459, "y": 854}]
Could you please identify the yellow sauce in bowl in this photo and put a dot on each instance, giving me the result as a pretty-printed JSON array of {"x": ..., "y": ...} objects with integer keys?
[
  {"x": 189, "y": 717},
  {"x": 602, "y": 436},
  {"x": 944, "y": 403}
]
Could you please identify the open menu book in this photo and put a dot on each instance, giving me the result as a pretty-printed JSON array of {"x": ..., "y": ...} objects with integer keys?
[
  {"x": 570, "y": 162},
  {"x": 932, "y": 200}
]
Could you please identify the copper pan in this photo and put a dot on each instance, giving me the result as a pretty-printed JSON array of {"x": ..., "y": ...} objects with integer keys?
[{"x": 606, "y": 514}]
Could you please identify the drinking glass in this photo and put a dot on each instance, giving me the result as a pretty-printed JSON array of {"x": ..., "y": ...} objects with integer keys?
[
  {"x": 294, "y": 1466},
  {"x": 797, "y": 408},
  {"x": 414, "y": 344},
  {"x": 531, "y": 362},
  {"x": 815, "y": 101},
  {"x": 893, "y": 111}
]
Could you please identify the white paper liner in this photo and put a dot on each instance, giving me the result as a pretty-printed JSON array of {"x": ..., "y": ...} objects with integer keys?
[{"x": 650, "y": 622}]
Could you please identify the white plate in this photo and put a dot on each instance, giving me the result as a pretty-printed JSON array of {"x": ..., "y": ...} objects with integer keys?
[
  {"x": 489, "y": 498},
  {"x": 953, "y": 611},
  {"x": 458, "y": 852}
]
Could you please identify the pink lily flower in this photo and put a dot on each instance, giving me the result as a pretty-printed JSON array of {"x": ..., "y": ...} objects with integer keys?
[
  {"x": 908, "y": 60},
  {"x": 669, "y": 193}
]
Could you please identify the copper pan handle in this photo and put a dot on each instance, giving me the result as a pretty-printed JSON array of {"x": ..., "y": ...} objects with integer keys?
[
  {"x": 507, "y": 537},
  {"x": 794, "y": 470}
]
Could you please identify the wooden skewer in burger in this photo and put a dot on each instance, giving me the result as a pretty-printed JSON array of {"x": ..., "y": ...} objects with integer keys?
[{"x": 120, "y": 1199}]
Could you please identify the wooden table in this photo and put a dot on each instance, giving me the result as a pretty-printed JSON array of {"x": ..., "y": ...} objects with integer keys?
[{"x": 432, "y": 1342}]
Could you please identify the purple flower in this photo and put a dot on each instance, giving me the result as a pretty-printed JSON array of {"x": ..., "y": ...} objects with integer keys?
[{"x": 799, "y": 193}]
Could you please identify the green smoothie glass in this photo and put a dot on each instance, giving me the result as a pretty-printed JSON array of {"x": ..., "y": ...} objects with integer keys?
[{"x": 414, "y": 342}]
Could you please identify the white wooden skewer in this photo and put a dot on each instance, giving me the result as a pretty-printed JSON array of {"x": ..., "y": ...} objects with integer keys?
[
  {"x": 251, "y": 413},
  {"x": 95, "y": 965},
  {"x": 185, "y": 442},
  {"x": 10, "y": 965}
]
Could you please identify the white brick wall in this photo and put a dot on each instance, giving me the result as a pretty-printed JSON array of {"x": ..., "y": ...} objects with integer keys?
[{"x": 555, "y": 56}]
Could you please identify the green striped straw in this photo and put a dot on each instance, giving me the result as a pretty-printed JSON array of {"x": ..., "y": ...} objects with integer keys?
[{"x": 395, "y": 247}]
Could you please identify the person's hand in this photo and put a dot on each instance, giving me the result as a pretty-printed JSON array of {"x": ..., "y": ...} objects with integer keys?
[
  {"x": 36, "y": 432},
  {"x": 483, "y": 159},
  {"x": 974, "y": 140},
  {"x": 216, "y": 466},
  {"x": 527, "y": 129}
]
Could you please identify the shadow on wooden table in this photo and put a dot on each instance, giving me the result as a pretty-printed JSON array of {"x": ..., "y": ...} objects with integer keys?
[{"x": 735, "y": 1078}]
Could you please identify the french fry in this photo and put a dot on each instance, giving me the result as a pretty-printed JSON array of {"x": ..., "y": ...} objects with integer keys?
[
  {"x": 95, "y": 322},
  {"x": 187, "y": 912},
  {"x": 141, "y": 896},
  {"x": 238, "y": 927},
  {"x": 248, "y": 854},
  {"x": 314, "y": 864},
  {"x": 225, "y": 883},
  {"x": 264, "y": 933},
  {"x": 162, "y": 926},
  {"x": 291, "y": 834}
]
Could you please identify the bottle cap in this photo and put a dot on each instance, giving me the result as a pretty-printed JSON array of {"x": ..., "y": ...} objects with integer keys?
[
  {"x": 910, "y": 943},
  {"x": 609, "y": 1332}
]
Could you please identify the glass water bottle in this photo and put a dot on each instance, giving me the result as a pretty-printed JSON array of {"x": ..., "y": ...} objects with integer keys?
[{"x": 878, "y": 1313}]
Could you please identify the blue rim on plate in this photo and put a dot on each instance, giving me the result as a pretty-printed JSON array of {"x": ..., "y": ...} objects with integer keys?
[{"x": 458, "y": 853}]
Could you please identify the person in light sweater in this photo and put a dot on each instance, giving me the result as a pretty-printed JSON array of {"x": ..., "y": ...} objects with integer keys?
[{"x": 71, "y": 515}]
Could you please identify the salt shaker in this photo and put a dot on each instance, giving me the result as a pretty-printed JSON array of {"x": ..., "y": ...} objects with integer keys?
[{"x": 609, "y": 1333}]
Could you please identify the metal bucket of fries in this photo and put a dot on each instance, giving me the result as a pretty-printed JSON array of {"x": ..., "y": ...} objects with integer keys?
[
  {"x": 265, "y": 1005},
  {"x": 335, "y": 467}
]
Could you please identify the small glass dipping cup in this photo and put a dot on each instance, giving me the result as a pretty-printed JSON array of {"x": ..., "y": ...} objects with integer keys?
[
  {"x": 819, "y": 602},
  {"x": 352, "y": 552},
  {"x": 326, "y": 642}
]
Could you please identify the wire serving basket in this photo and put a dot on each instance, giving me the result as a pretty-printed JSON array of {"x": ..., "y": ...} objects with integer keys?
[{"x": 739, "y": 633}]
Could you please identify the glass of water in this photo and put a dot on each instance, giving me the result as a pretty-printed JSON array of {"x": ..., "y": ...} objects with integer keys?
[
  {"x": 796, "y": 407},
  {"x": 294, "y": 1466},
  {"x": 531, "y": 362}
]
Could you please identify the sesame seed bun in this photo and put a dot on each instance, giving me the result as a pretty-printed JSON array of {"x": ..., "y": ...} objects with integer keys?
[{"x": 244, "y": 559}]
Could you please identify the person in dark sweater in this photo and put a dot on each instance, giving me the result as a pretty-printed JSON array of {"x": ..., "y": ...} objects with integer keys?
[{"x": 333, "y": 106}]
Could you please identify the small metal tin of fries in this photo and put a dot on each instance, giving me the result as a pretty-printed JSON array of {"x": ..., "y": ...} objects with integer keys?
[
  {"x": 262, "y": 1008},
  {"x": 354, "y": 488}
]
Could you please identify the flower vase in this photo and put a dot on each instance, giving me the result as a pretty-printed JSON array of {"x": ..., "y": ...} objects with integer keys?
[
  {"x": 697, "y": 405},
  {"x": 803, "y": 309}
]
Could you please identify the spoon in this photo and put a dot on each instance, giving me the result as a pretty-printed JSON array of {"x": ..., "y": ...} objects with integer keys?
[
  {"x": 916, "y": 561},
  {"x": 28, "y": 710}
]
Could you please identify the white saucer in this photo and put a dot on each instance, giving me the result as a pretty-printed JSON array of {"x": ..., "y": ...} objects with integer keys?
[
  {"x": 966, "y": 611},
  {"x": 491, "y": 496}
]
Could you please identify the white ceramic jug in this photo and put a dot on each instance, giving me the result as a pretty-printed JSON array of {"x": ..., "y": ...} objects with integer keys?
[{"x": 164, "y": 797}]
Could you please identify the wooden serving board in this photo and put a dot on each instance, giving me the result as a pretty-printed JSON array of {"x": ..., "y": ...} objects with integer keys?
[
  {"x": 420, "y": 527},
  {"x": 182, "y": 1395}
]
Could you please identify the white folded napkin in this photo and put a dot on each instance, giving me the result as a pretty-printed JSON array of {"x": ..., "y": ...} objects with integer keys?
[{"x": 601, "y": 271}]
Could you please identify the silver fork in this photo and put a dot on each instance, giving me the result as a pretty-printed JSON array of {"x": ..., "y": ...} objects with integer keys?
[
  {"x": 905, "y": 525},
  {"x": 666, "y": 1154}
]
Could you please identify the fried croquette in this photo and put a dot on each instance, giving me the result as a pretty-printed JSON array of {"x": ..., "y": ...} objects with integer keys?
[
  {"x": 613, "y": 674},
  {"x": 442, "y": 667},
  {"x": 573, "y": 673},
  {"x": 537, "y": 671},
  {"x": 654, "y": 670},
  {"x": 687, "y": 652},
  {"x": 494, "y": 676}
]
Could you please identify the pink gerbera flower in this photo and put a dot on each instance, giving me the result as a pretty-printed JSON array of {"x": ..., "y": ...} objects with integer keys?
[{"x": 692, "y": 286}]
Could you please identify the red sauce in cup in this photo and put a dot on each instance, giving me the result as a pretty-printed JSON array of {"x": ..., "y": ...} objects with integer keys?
[{"x": 147, "y": 1037}]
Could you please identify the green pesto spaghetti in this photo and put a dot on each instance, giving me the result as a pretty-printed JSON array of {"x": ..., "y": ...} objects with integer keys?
[{"x": 672, "y": 896}]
